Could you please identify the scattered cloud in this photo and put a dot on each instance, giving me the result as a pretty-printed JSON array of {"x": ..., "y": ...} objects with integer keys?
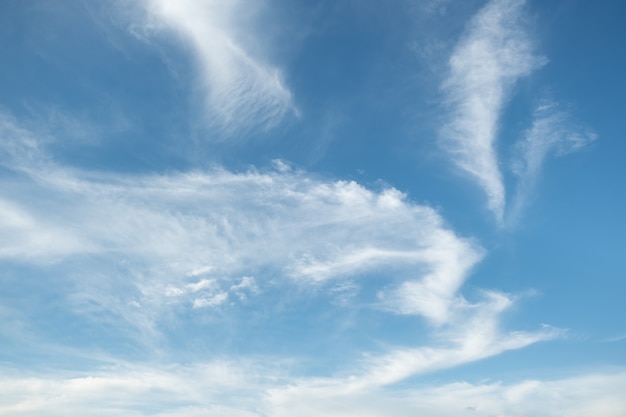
[
  {"x": 140, "y": 254},
  {"x": 491, "y": 57}
]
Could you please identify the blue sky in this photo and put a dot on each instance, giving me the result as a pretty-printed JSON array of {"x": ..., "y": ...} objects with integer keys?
[{"x": 316, "y": 208}]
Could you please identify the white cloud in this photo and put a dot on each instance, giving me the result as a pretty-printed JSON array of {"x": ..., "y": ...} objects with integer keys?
[
  {"x": 212, "y": 301},
  {"x": 197, "y": 240},
  {"x": 552, "y": 131},
  {"x": 133, "y": 390},
  {"x": 495, "y": 53},
  {"x": 229, "y": 225},
  {"x": 243, "y": 90},
  {"x": 190, "y": 237},
  {"x": 246, "y": 286},
  {"x": 594, "y": 394},
  {"x": 245, "y": 390},
  {"x": 471, "y": 334},
  {"x": 23, "y": 235},
  {"x": 205, "y": 239},
  {"x": 435, "y": 293}
]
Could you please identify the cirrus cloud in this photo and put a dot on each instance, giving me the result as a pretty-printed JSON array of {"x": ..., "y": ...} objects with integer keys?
[{"x": 243, "y": 90}]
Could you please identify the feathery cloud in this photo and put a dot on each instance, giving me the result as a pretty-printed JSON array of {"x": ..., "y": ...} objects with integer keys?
[
  {"x": 190, "y": 237},
  {"x": 202, "y": 240},
  {"x": 243, "y": 90},
  {"x": 472, "y": 334},
  {"x": 262, "y": 292},
  {"x": 493, "y": 55},
  {"x": 552, "y": 131},
  {"x": 205, "y": 239}
]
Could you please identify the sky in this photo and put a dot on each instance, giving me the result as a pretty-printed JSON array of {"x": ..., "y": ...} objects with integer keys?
[{"x": 312, "y": 208}]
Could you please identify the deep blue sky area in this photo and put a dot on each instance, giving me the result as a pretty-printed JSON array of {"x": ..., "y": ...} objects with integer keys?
[{"x": 313, "y": 208}]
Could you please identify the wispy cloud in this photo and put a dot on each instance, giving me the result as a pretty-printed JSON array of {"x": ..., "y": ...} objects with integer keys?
[
  {"x": 243, "y": 89},
  {"x": 190, "y": 237},
  {"x": 616, "y": 338},
  {"x": 593, "y": 394},
  {"x": 162, "y": 245},
  {"x": 205, "y": 240},
  {"x": 249, "y": 389},
  {"x": 132, "y": 390},
  {"x": 552, "y": 132},
  {"x": 491, "y": 57},
  {"x": 266, "y": 291},
  {"x": 472, "y": 334}
]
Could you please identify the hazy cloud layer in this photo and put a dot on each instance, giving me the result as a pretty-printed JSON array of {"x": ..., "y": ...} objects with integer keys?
[
  {"x": 225, "y": 389},
  {"x": 574, "y": 397}
]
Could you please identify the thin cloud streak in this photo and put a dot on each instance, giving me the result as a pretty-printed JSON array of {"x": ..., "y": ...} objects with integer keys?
[
  {"x": 552, "y": 132},
  {"x": 486, "y": 63},
  {"x": 473, "y": 333},
  {"x": 242, "y": 90}
]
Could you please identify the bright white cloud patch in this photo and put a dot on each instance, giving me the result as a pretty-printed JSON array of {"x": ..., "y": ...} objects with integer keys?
[
  {"x": 243, "y": 91},
  {"x": 493, "y": 55}
]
